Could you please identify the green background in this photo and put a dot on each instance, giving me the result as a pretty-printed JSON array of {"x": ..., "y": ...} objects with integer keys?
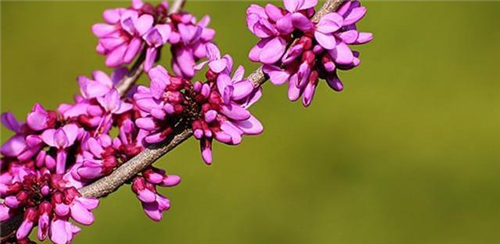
[{"x": 408, "y": 153}]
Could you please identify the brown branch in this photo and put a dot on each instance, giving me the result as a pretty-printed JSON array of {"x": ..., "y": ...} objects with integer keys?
[
  {"x": 126, "y": 171},
  {"x": 122, "y": 174}
]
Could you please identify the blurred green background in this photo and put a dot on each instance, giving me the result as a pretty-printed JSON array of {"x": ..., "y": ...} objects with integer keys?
[{"x": 408, "y": 153}]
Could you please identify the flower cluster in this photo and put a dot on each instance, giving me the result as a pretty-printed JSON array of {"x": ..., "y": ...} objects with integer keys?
[
  {"x": 144, "y": 186},
  {"x": 33, "y": 182},
  {"x": 319, "y": 49},
  {"x": 54, "y": 154},
  {"x": 224, "y": 102},
  {"x": 128, "y": 31},
  {"x": 216, "y": 108},
  {"x": 189, "y": 43}
]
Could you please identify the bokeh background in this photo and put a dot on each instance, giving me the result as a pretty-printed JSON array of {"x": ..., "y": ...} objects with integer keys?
[{"x": 408, "y": 153}]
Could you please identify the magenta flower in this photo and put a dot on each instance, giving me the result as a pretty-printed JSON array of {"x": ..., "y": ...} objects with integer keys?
[
  {"x": 224, "y": 110},
  {"x": 216, "y": 63},
  {"x": 189, "y": 40},
  {"x": 297, "y": 5},
  {"x": 120, "y": 38},
  {"x": 155, "y": 38},
  {"x": 10, "y": 122},
  {"x": 271, "y": 25},
  {"x": 45, "y": 201},
  {"x": 102, "y": 88},
  {"x": 62, "y": 231},
  {"x": 97, "y": 158},
  {"x": 100, "y": 101},
  {"x": 30, "y": 216},
  {"x": 129, "y": 141},
  {"x": 163, "y": 98},
  {"x": 61, "y": 139},
  {"x": 39, "y": 119},
  {"x": 145, "y": 188},
  {"x": 322, "y": 47}
]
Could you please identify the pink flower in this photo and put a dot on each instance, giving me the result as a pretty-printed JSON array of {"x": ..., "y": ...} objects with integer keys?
[
  {"x": 39, "y": 119},
  {"x": 103, "y": 89},
  {"x": 45, "y": 214},
  {"x": 224, "y": 109},
  {"x": 97, "y": 158},
  {"x": 62, "y": 231},
  {"x": 10, "y": 122},
  {"x": 30, "y": 216},
  {"x": 189, "y": 40},
  {"x": 144, "y": 187},
  {"x": 297, "y": 5},
  {"x": 155, "y": 38},
  {"x": 120, "y": 38},
  {"x": 321, "y": 50},
  {"x": 216, "y": 63},
  {"x": 61, "y": 139},
  {"x": 163, "y": 98}
]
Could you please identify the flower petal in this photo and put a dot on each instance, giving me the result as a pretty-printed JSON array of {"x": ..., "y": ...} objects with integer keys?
[
  {"x": 330, "y": 23},
  {"x": 302, "y": 23},
  {"x": 325, "y": 40},
  {"x": 354, "y": 16},
  {"x": 251, "y": 126},
  {"x": 276, "y": 74},
  {"x": 81, "y": 214},
  {"x": 342, "y": 54},
  {"x": 273, "y": 50}
]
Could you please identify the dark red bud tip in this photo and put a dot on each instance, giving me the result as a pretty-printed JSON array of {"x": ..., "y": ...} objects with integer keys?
[
  {"x": 109, "y": 164},
  {"x": 176, "y": 84},
  {"x": 30, "y": 215},
  {"x": 308, "y": 57},
  {"x": 58, "y": 197},
  {"x": 84, "y": 120},
  {"x": 211, "y": 76},
  {"x": 147, "y": 8},
  {"x": 166, "y": 132},
  {"x": 176, "y": 17},
  {"x": 161, "y": 10},
  {"x": 178, "y": 109},
  {"x": 306, "y": 42},
  {"x": 70, "y": 194},
  {"x": 22, "y": 196},
  {"x": 14, "y": 188},
  {"x": 52, "y": 118},
  {"x": 25, "y": 241},
  {"x": 313, "y": 77},
  {"x": 45, "y": 208},
  {"x": 138, "y": 184},
  {"x": 205, "y": 107}
]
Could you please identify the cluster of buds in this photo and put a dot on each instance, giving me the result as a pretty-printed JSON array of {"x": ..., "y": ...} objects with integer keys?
[
  {"x": 161, "y": 105},
  {"x": 129, "y": 31},
  {"x": 320, "y": 48},
  {"x": 224, "y": 103},
  {"x": 44, "y": 200},
  {"x": 144, "y": 186}
]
